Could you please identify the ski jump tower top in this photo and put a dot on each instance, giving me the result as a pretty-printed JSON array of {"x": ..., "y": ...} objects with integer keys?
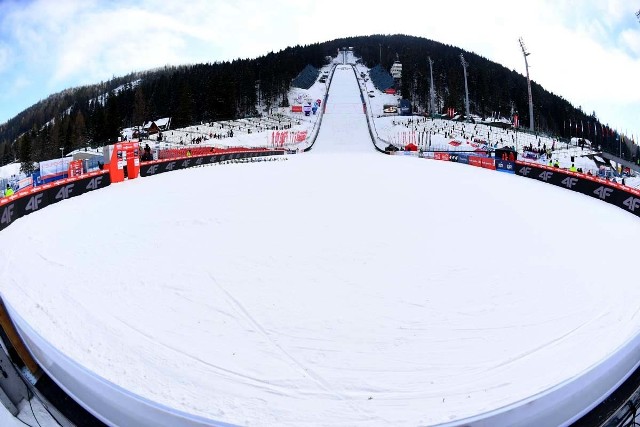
[{"x": 346, "y": 55}]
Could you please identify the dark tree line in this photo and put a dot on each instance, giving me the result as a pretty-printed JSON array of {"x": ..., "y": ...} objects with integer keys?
[{"x": 94, "y": 115}]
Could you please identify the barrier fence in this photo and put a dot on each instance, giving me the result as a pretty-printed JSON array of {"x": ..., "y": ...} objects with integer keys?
[
  {"x": 28, "y": 201},
  {"x": 624, "y": 197},
  {"x": 171, "y": 153},
  {"x": 155, "y": 167}
]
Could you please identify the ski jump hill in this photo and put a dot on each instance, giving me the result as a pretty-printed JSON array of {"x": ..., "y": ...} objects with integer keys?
[{"x": 339, "y": 287}]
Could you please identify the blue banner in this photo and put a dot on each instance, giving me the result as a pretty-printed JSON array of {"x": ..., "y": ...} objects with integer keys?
[{"x": 505, "y": 166}]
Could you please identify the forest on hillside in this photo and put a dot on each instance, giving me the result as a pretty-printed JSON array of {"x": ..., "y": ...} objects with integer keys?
[{"x": 94, "y": 115}]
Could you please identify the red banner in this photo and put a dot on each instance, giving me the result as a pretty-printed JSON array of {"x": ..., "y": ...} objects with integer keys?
[
  {"x": 488, "y": 163},
  {"x": 475, "y": 161},
  {"x": 75, "y": 168}
]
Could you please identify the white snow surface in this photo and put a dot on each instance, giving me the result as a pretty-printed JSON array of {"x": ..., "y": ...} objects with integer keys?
[
  {"x": 347, "y": 288},
  {"x": 335, "y": 295},
  {"x": 344, "y": 126}
]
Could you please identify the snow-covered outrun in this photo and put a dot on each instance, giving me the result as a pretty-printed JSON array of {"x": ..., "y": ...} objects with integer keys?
[{"x": 339, "y": 287}]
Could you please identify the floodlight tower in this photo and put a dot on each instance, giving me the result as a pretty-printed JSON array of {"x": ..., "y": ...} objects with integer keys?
[
  {"x": 432, "y": 90},
  {"x": 466, "y": 88},
  {"x": 526, "y": 63}
]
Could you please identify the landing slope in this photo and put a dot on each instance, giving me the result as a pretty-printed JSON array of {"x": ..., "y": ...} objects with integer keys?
[
  {"x": 344, "y": 125},
  {"x": 317, "y": 291}
]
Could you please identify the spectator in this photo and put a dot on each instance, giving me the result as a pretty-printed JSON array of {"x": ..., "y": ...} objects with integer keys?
[
  {"x": 8, "y": 191},
  {"x": 147, "y": 153}
]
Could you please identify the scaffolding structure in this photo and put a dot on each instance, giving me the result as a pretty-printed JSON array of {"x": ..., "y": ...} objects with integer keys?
[
  {"x": 526, "y": 63},
  {"x": 432, "y": 90},
  {"x": 466, "y": 88}
]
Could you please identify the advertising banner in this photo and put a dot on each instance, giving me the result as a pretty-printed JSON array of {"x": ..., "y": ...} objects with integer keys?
[
  {"x": 475, "y": 161},
  {"x": 160, "y": 166},
  {"x": 623, "y": 197},
  {"x": 75, "y": 168},
  {"x": 453, "y": 157},
  {"x": 14, "y": 207},
  {"x": 24, "y": 183},
  {"x": 488, "y": 163},
  {"x": 67, "y": 188},
  {"x": 505, "y": 166},
  {"x": 50, "y": 168},
  {"x": 8, "y": 212},
  {"x": 441, "y": 156},
  {"x": 463, "y": 158}
]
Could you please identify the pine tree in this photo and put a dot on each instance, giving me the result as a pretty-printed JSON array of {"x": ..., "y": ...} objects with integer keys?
[
  {"x": 79, "y": 137},
  {"x": 26, "y": 157},
  {"x": 139, "y": 107}
]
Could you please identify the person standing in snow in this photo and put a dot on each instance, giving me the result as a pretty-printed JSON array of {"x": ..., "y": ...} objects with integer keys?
[{"x": 8, "y": 191}]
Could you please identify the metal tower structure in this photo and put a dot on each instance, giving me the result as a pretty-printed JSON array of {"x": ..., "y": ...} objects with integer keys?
[
  {"x": 466, "y": 88},
  {"x": 526, "y": 63},
  {"x": 432, "y": 90}
]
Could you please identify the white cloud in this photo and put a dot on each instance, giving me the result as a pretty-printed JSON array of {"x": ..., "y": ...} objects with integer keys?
[{"x": 587, "y": 53}]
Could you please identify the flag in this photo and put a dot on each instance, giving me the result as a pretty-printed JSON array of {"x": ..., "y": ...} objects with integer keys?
[{"x": 301, "y": 136}]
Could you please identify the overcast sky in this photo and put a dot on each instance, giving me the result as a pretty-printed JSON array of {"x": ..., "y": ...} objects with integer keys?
[{"x": 587, "y": 52}]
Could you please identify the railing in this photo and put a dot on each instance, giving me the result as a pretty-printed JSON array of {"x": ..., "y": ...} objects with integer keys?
[
  {"x": 318, "y": 123},
  {"x": 370, "y": 126}
]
